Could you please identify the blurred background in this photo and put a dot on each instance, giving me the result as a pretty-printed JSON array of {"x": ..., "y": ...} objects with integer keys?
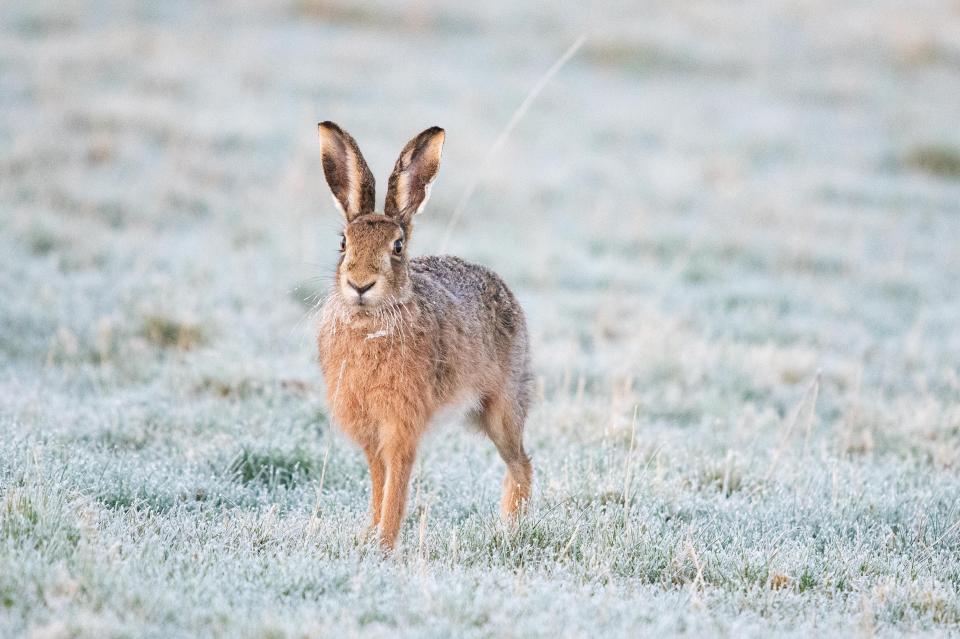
[
  {"x": 708, "y": 205},
  {"x": 783, "y": 174}
]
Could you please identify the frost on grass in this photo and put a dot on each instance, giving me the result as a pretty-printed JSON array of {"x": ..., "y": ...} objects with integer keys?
[{"x": 744, "y": 320}]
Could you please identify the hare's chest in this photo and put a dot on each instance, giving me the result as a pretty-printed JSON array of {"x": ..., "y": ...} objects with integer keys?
[{"x": 373, "y": 378}]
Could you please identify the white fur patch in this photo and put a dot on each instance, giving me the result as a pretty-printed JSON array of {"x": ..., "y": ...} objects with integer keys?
[
  {"x": 339, "y": 206},
  {"x": 353, "y": 189},
  {"x": 426, "y": 196},
  {"x": 401, "y": 195}
]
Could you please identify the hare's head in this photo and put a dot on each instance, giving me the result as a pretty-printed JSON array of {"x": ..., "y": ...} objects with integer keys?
[{"x": 373, "y": 248}]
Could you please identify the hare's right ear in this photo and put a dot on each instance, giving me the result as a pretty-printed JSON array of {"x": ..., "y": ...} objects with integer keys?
[{"x": 346, "y": 171}]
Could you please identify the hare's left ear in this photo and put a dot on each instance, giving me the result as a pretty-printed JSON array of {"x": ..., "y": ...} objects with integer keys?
[{"x": 416, "y": 168}]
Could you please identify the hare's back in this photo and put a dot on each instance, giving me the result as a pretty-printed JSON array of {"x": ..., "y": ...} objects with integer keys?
[{"x": 472, "y": 294}]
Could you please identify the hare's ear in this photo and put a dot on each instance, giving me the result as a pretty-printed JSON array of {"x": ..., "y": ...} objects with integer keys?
[
  {"x": 416, "y": 168},
  {"x": 346, "y": 171}
]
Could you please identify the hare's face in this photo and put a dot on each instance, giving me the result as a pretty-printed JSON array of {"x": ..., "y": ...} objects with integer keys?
[{"x": 373, "y": 262}]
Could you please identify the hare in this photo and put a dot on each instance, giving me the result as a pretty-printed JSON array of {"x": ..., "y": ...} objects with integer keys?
[{"x": 401, "y": 338}]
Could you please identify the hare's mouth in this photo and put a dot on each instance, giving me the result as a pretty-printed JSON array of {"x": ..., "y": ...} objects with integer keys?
[
  {"x": 365, "y": 294},
  {"x": 363, "y": 306},
  {"x": 358, "y": 305},
  {"x": 362, "y": 302}
]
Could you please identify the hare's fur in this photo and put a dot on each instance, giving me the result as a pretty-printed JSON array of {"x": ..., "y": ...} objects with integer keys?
[{"x": 434, "y": 332}]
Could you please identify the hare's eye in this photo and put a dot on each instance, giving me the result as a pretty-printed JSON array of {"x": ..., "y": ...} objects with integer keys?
[
  {"x": 343, "y": 243},
  {"x": 398, "y": 247}
]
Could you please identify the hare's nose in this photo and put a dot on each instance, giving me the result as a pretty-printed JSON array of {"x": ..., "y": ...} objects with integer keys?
[{"x": 361, "y": 289}]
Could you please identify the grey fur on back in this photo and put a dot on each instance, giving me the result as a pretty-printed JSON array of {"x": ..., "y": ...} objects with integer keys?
[{"x": 474, "y": 303}]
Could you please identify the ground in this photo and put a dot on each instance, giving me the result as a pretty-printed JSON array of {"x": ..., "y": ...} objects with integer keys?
[{"x": 735, "y": 231}]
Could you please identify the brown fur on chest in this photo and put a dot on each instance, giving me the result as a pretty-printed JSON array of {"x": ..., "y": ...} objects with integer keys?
[{"x": 377, "y": 377}]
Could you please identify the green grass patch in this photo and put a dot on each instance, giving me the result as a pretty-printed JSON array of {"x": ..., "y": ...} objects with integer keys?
[
  {"x": 170, "y": 333},
  {"x": 272, "y": 467},
  {"x": 941, "y": 161}
]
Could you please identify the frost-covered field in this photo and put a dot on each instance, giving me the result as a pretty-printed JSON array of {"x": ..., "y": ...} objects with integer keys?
[{"x": 707, "y": 206}]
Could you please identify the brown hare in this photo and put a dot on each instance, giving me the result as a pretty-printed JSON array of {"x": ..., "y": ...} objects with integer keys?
[{"x": 401, "y": 338}]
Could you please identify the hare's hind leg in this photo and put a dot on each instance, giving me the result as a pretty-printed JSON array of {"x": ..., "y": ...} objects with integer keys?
[{"x": 502, "y": 421}]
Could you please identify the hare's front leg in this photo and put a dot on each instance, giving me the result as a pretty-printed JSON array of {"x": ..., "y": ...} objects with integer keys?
[
  {"x": 377, "y": 477},
  {"x": 399, "y": 450}
]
